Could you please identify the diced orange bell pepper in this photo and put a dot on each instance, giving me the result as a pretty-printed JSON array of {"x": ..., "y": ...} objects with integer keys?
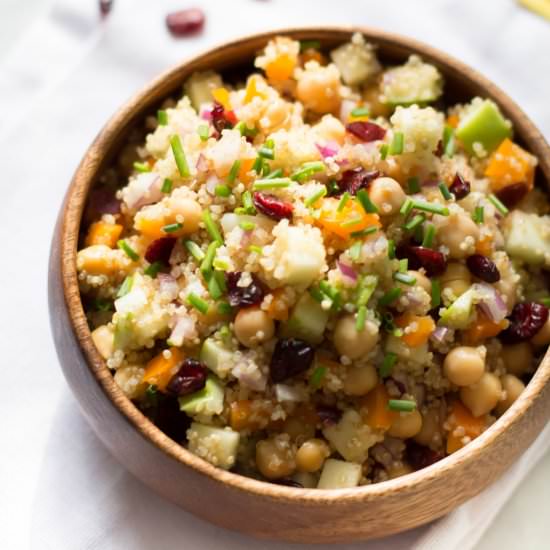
[
  {"x": 252, "y": 90},
  {"x": 242, "y": 416},
  {"x": 278, "y": 307},
  {"x": 153, "y": 227},
  {"x": 425, "y": 325},
  {"x": 160, "y": 369},
  {"x": 452, "y": 121},
  {"x": 280, "y": 68},
  {"x": 482, "y": 328},
  {"x": 246, "y": 167},
  {"x": 221, "y": 95},
  {"x": 510, "y": 164},
  {"x": 461, "y": 417},
  {"x": 350, "y": 219},
  {"x": 103, "y": 233},
  {"x": 374, "y": 408},
  {"x": 311, "y": 54},
  {"x": 485, "y": 245}
]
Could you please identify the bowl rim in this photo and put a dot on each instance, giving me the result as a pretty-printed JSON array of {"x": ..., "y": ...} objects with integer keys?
[{"x": 70, "y": 226}]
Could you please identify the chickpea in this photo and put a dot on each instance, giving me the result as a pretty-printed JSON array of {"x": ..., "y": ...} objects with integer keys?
[
  {"x": 398, "y": 469},
  {"x": 430, "y": 433},
  {"x": 99, "y": 259},
  {"x": 274, "y": 458},
  {"x": 517, "y": 358},
  {"x": 253, "y": 326},
  {"x": 406, "y": 425},
  {"x": 457, "y": 279},
  {"x": 387, "y": 195},
  {"x": 483, "y": 396},
  {"x": 276, "y": 115},
  {"x": 542, "y": 337},
  {"x": 352, "y": 342},
  {"x": 453, "y": 230},
  {"x": 318, "y": 88},
  {"x": 421, "y": 280},
  {"x": 190, "y": 212},
  {"x": 360, "y": 380},
  {"x": 464, "y": 365},
  {"x": 130, "y": 380},
  {"x": 311, "y": 455},
  {"x": 513, "y": 387},
  {"x": 297, "y": 429}
]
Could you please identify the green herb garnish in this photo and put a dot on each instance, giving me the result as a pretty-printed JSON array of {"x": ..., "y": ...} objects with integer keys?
[
  {"x": 234, "y": 172},
  {"x": 433, "y": 208},
  {"x": 211, "y": 227},
  {"x": 396, "y": 146},
  {"x": 447, "y": 195},
  {"x": 479, "y": 214},
  {"x": 309, "y": 45},
  {"x": 179, "y": 156},
  {"x": 390, "y": 296},
  {"x": 361, "y": 318},
  {"x": 246, "y": 225},
  {"x": 274, "y": 174},
  {"x": 429, "y": 235},
  {"x": 360, "y": 111},
  {"x": 401, "y": 405},
  {"x": 273, "y": 183},
  {"x": 413, "y": 185},
  {"x": 195, "y": 250},
  {"x": 153, "y": 269},
  {"x": 126, "y": 286},
  {"x": 436, "y": 293},
  {"x": 368, "y": 206},
  {"x": 387, "y": 364},
  {"x": 364, "y": 232},
  {"x": 342, "y": 202},
  {"x": 198, "y": 303},
  {"x": 498, "y": 205},
  {"x": 172, "y": 227},
  {"x": 317, "y": 376},
  {"x": 310, "y": 201},
  {"x": 449, "y": 141},
  {"x": 206, "y": 264},
  {"x": 130, "y": 252},
  {"x": 204, "y": 132},
  {"x": 404, "y": 278},
  {"x": 222, "y": 190},
  {"x": 307, "y": 170},
  {"x": 406, "y": 207},
  {"x": 391, "y": 249},
  {"x": 166, "y": 186},
  {"x": 162, "y": 117},
  {"x": 384, "y": 148},
  {"x": 415, "y": 222}
]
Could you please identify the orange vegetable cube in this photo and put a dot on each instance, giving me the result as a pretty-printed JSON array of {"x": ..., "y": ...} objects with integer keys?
[
  {"x": 160, "y": 369},
  {"x": 245, "y": 168},
  {"x": 350, "y": 219},
  {"x": 423, "y": 326},
  {"x": 221, "y": 95},
  {"x": 510, "y": 164},
  {"x": 483, "y": 328},
  {"x": 103, "y": 233},
  {"x": 465, "y": 423},
  {"x": 452, "y": 121},
  {"x": 485, "y": 245},
  {"x": 281, "y": 68},
  {"x": 374, "y": 408},
  {"x": 278, "y": 307},
  {"x": 252, "y": 90},
  {"x": 311, "y": 54}
]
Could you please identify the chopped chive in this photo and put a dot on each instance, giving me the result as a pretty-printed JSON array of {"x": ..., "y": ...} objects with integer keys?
[
  {"x": 256, "y": 249},
  {"x": 204, "y": 132},
  {"x": 406, "y": 207},
  {"x": 449, "y": 141},
  {"x": 197, "y": 302},
  {"x": 391, "y": 249},
  {"x": 436, "y": 293},
  {"x": 390, "y": 296},
  {"x": 234, "y": 172},
  {"x": 166, "y": 186},
  {"x": 307, "y": 170},
  {"x": 211, "y": 227},
  {"x": 220, "y": 264},
  {"x": 247, "y": 225},
  {"x": 258, "y": 164},
  {"x": 396, "y": 146},
  {"x": 273, "y": 183},
  {"x": 384, "y": 148},
  {"x": 248, "y": 203},
  {"x": 343, "y": 200},
  {"x": 429, "y": 235},
  {"x": 478, "y": 214},
  {"x": 266, "y": 153},
  {"x": 352, "y": 222},
  {"x": 266, "y": 170},
  {"x": 401, "y": 405},
  {"x": 366, "y": 289},
  {"x": 317, "y": 377},
  {"x": 415, "y": 222},
  {"x": 405, "y": 278},
  {"x": 153, "y": 269},
  {"x": 434, "y": 208},
  {"x": 141, "y": 167},
  {"x": 172, "y": 227},
  {"x": 447, "y": 195},
  {"x": 206, "y": 264},
  {"x": 179, "y": 156},
  {"x": 333, "y": 188},
  {"x": 413, "y": 185},
  {"x": 195, "y": 250},
  {"x": 387, "y": 364},
  {"x": 125, "y": 287},
  {"x": 361, "y": 318},
  {"x": 222, "y": 190},
  {"x": 103, "y": 305},
  {"x": 368, "y": 206},
  {"x": 332, "y": 293},
  {"x": 403, "y": 265},
  {"x": 224, "y": 308},
  {"x": 498, "y": 205},
  {"x": 310, "y": 201},
  {"x": 246, "y": 130},
  {"x": 544, "y": 301},
  {"x": 355, "y": 251},
  {"x": 162, "y": 117},
  {"x": 309, "y": 45},
  {"x": 316, "y": 294},
  {"x": 360, "y": 111},
  {"x": 364, "y": 232},
  {"x": 418, "y": 233},
  {"x": 214, "y": 288},
  {"x": 130, "y": 252},
  {"x": 270, "y": 143},
  {"x": 274, "y": 174}
]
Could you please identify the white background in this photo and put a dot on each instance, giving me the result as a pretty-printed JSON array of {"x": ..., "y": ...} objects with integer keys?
[{"x": 62, "y": 73}]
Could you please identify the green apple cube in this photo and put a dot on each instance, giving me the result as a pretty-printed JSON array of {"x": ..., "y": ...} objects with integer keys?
[
  {"x": 307, "y": 321},
  {"x": 216, "y": 357},
  {"x": 208, "y": 401},
  {"x": 338, "y": 474},
  {"x": 527, "y": 237},
  {"x": 217, "y": 445},
  {"x": 459, "y": 314}
]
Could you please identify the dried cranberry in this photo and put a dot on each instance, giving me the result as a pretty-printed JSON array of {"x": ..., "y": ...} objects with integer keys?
[
  {"x": 243, "y": 296},
  {"x": 512, "y": 194},
  {"x": 165, "y": 413},
  {"x": 432, "y": 261},
  {"x": 526, "y": 320},
  {"x": 272, "y": 207},
  {"x": 366, "y": 131},
  {"x": 191, "y": 377},
  {"x": 439, "y": 149},
  {"x": 102, "y": 200},
  {"x": 218, "y": 118},
  {"x": 328, "y": 415},
  {"x": 105, "y": 7},
  {"x": 483, "y": 268},
  {"x": 160, "y": 249},
  {"x": 290, "y": 358},
  {"x": 185, "y": 22},
  {"x": 419, "y": 456},
  {"x": 460, "y": 187},
  {"x": 358, "y": 178}
]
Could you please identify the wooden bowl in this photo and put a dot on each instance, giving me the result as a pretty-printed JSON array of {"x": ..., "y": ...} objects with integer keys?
[{"x": 230, "y": 500}]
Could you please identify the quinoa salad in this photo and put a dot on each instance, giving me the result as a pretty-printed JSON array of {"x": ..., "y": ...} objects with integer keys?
[{"x": 322, "y": 275}]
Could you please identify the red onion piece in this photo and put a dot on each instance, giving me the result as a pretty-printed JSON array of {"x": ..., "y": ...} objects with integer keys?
[
  {"x": 206, "y": 114},
  {"x": 329, "y": 149},
  {"x": 184, "y": 329},
  {"x": 167, "y": 284},
  {"x": 491, "y": 303},
  {"x": 439, "y": 334},
  {"x": 202, "y": 163},
  {"x": 151, "y": 194},
  {"x": 347, "y": 270}
]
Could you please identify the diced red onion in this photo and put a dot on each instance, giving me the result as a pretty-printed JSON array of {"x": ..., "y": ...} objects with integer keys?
[
  {"x": 255, "y": 380},
  {"x": 202, "y": 164},
  {"x": 439, "y": 334},
  {"x": 168, "y": 285},
  {"x": 211, "y": 183},
  {"x": 295, "y": 394},
  {"x": 178, "y": 253},
  {"x": 347, "y": 270},
  {"x": 206, "y": 114},
  {"x": 148, "y": 191},
  {"x": 327, "y": 150},
  {"x": 430, "y": 182},
  {"x": 184, "y": 329},
  {"x": 491, "y": 303}
]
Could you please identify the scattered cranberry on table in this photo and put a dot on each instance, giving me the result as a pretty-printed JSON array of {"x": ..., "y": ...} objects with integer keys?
[{"x": 185, "y": 22}]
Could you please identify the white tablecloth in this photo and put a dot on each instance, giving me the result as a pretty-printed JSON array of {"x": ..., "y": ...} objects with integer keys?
[{"x": 59, "y": 489}]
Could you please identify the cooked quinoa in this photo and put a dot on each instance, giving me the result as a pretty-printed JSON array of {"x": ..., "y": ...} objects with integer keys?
[{"x": 323, "y": 276}]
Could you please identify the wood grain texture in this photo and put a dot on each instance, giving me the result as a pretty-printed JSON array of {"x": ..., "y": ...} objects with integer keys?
[{"x": 232, "y": 501}]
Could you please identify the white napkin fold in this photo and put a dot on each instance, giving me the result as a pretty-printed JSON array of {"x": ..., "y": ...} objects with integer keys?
[{"x": 59, "y": 488}]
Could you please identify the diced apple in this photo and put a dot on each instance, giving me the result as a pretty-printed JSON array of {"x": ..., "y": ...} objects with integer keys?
[
  {"x": 208, "y": 401},
  {"x": 216, "y": 357},
  {"x": 527, "y": 237},
  {"x": 199, "y": 87},
  {"x": 307, "y": 321},
  {"x": 338, "y": 474},
  {"x": 459, "y": 314},
  {"x": 216, "y": 445}
]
